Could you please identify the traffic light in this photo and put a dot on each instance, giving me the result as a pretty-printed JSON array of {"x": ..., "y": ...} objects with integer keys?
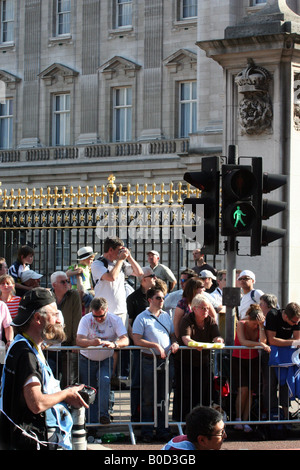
[
  {"x": 208, "y": 181},
  {"x": 263, "y": 235},
  {"x": 239, "y": 189}
]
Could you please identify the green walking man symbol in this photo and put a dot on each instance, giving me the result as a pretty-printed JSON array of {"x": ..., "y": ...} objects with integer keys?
[{"x": 237, "y": 215}]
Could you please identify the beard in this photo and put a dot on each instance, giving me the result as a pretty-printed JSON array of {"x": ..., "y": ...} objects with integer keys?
[{"x": 53, "y": 334}]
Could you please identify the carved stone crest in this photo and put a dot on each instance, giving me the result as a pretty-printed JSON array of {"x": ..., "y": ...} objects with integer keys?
[{"x": 255, "y": 111}]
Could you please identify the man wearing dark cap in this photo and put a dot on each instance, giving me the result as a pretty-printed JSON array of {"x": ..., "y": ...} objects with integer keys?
[{"x": 33, "y": 407}]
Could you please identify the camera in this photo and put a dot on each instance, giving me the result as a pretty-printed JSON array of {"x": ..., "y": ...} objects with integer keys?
[{"x": 88, "y": 394}]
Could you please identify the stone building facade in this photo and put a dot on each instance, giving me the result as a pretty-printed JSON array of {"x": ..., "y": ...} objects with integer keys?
[{"x": 137, "y": 88}]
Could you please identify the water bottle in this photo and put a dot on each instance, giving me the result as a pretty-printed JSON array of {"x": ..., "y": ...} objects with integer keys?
[{"x": 113, "y": 437}]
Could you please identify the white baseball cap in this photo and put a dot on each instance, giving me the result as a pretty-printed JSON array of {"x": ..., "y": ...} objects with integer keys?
[
  {"x": 207, "y": 273},
  {"x": 248, "y": 273},
  {"x": 29, "y": 274}
]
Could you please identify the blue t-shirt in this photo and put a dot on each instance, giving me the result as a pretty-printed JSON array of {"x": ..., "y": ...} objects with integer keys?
[{"x": 156, "y": 330}]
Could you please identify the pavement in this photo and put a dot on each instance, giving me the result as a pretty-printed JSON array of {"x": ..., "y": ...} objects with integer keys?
[{"x": 236, "y": 440}]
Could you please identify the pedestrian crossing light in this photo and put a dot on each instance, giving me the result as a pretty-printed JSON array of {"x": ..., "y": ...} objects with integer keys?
[
  {"x": 239, "y": 185},
  {"x": 208, "y": 182}
]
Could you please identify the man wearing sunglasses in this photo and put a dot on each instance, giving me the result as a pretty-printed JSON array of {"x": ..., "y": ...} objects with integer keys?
[
  {"x": 250, "y": 294},
  {"x": 153, "y": 330},
  {"x": 69, "y": 302},
  {"x": 205, "y": 430}
]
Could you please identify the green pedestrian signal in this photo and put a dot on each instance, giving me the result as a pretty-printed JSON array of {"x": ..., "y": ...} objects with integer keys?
[{"x": 238, "y": 211}]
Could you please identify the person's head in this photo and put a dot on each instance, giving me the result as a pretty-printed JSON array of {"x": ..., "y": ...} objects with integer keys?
[
  {"x": 246, "y": 280},
  {"x": 7, "y": 284},
  {"x": 86, "y": 255},
  {"x": 60, "y": 282},
  {"x": 255, "y": 316},
  {"x": 99, "y": 309},
  {"x": 185, "y": 275},
  {"x": 147, "y": 280},
  {"x": 161, "y": 285},
  {"x": 291, "y": 313},
  {"x": 25, "y": 254},
  {"x": 153, "y": 258},
  {"x": 30, "y": 278},
  {"x": 197, "y": 255},
  {"x": 155, "y": 297},
  {"x": 208, "y": 277},
  {"x": 267, "y": 302},
  {"x": 192, "y": 286},
  {"x": 112, "y": 247},
  {"x": 3, "y": 266},
  {"x": 200, "y": 306},
  {"x": 205, "y": 428},
  {"x": 38, "y": 313},
  {"x": 221, "y": 278}
]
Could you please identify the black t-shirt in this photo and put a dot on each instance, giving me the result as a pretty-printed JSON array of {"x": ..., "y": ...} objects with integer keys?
[
  {"x": 21, "y": 363},
  {"x": 275, "y": 322},
  {"x": 189, "y": 327},
  {"x": 136, "y": 303}
]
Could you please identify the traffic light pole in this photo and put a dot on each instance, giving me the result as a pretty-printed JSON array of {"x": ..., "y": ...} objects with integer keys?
[{"x": 231, "y": 268}]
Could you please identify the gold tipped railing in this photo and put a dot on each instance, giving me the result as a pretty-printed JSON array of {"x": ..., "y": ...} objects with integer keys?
[{"x": 109, "y": 194}]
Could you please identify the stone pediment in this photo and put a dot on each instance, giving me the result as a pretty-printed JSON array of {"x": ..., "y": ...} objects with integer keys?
[
  {"x": 51, "y": 73},
  {"x": 119, "y": 64},
  {"x": 9, "y": 80},
  {"x": 181, "y": 59}
]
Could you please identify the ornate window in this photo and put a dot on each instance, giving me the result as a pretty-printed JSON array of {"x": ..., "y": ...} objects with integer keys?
[
  {"x": 122, "y": 114},
  {"x": 61, "y": 119},
  {"x": 187, "y": 108},
  {"x": 6, "y": 123},
  {"x": 7, "y": 21},
  {"x": 123, "y": 13}
]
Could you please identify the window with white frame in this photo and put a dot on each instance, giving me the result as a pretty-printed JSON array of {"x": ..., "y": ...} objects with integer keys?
[
  {"x": 188, "y": 9},
  {"x": 61, "y": 120},
  {"x": 7, "y": 21},
  {"x": 122, "y": 114},
  {"x": 123, "y": 13},
  {"x": 187, "y": 108},
  {"x": 63, "y": 17},
  {"x": 6, "y": 124}
]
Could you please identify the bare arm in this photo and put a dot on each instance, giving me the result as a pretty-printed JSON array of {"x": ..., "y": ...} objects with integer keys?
[{"x": 38, "y": 402}]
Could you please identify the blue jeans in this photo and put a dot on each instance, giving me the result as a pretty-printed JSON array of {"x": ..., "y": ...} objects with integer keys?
[
  {"x": 148, "y": 396},
  {"x": 96, "y": 374}
]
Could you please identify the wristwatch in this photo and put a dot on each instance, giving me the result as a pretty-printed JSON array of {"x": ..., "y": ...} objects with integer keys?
[{"x": 116, "y": 344}]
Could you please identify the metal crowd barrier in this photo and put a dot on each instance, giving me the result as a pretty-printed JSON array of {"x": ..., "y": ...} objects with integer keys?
[{"x": 192, "y": 377}]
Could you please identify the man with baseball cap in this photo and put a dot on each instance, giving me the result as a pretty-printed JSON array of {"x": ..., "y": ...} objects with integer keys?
[
  {"x": 33, "y": 407},
  {"x": 29, "y": 279},
  {"x": 160, "y": 270},
  {"x": 250, "y": 295}
]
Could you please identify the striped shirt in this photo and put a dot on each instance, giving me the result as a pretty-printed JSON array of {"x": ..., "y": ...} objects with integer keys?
[{"x": 13, "y": 305}]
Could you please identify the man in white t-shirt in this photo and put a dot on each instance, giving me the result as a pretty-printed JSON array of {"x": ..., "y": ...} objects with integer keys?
[
  {"x": 250, "y": 295},
  {"x": 109, "y": 272},
  {"x": 104, "y": 329}
]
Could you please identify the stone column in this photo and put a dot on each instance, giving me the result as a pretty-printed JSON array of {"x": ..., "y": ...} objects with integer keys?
[
  {"x": 152, "y": 70},
  {"x": 269, "y": 39},
  {"x": 32, "y": 45}
]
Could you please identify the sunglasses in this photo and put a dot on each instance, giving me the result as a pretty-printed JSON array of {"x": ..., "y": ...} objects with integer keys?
[
  {"x": 64, "y": 281},
  {"x": 150, "y": 275}
]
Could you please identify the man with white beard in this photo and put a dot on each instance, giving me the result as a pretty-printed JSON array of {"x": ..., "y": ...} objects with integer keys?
[{"x": 33, "y": 407}]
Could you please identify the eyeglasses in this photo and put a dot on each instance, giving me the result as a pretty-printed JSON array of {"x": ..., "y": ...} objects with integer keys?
[
  {"x": 221, "y": 434},
  {"x": 150, "y": 275},
  {"x": 159, "y": 298},
  {"x": 246, "y": 278},
  {"x": 65, "y": 281}
]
